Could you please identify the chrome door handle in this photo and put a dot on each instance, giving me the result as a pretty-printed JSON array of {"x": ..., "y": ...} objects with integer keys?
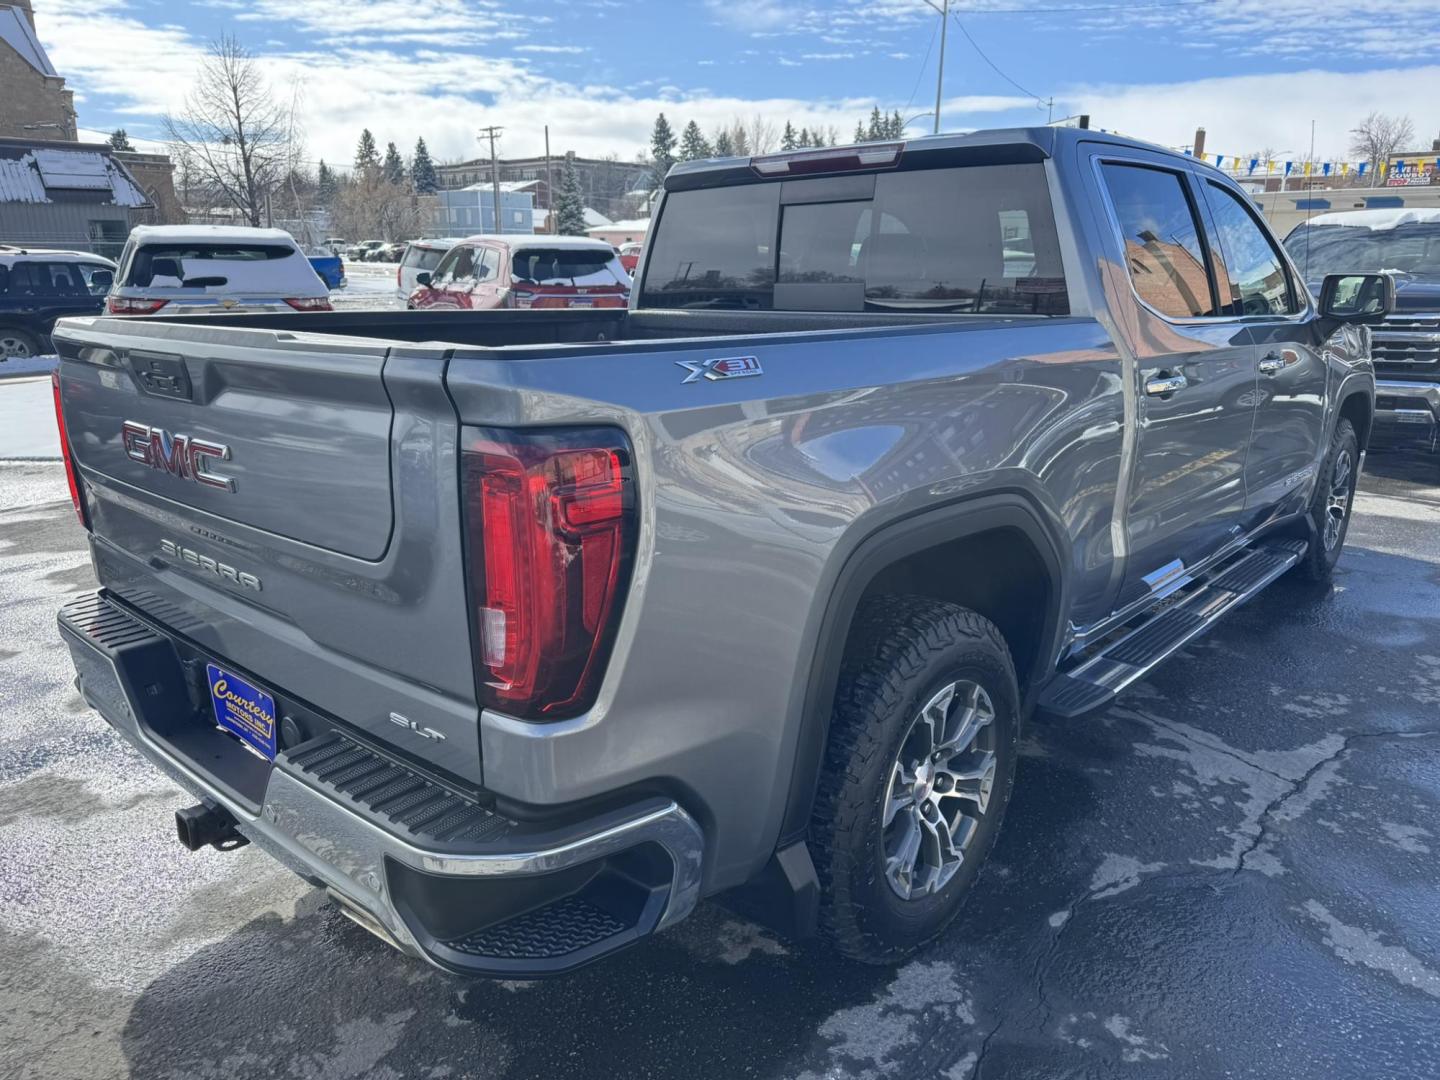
[
  {"x": 1272, "y": 363},
  {"x": 1160, "y": 385}
]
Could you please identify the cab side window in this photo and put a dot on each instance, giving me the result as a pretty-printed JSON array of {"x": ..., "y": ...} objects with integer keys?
[
  {"x": 464, "y": 267},
  {"x": 1164, "y": 253},
  {"x": 487, "y": 264},
  {"x": 444, "y": 271},
  {"x": 1252, "y": 277}
]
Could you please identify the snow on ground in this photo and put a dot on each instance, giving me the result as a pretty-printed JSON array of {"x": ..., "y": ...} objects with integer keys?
[
  {"x": 23, "y": 366},
  {"x": 27, "y": 417}
]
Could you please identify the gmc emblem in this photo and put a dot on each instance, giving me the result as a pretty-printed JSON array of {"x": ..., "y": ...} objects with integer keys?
[{"x": 179, "y": 455}]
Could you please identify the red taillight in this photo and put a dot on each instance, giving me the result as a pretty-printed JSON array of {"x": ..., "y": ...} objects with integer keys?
[
  {"x": 70, "y": 475},
  {"x": 309, "y": 303},
  {"x": 126, "y": 305},
  {"x": 551, "y": 529},
  {"x": 831, "y": 159}
]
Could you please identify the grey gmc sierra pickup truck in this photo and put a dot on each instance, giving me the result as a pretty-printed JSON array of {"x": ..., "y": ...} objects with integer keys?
[{"x": 519, "y": 632}]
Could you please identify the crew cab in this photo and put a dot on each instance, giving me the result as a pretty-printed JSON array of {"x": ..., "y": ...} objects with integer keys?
[
  {"x": 1406, "y": 244},
  {"x": 521, "y": 631},
  {"x": 483, "y": 272}
]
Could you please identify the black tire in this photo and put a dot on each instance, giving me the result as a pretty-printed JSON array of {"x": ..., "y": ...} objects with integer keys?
[
  {"x": 902, "y": 650},
  {"x": 17, "y": 343},
  {"x": 1327, "y": 538}
]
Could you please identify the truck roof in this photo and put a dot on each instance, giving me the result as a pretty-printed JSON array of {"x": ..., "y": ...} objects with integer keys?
[{"x": 1039, "y": 142}]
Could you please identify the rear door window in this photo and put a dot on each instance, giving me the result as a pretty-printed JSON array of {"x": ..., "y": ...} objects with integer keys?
[
  {"x": 1163, "y": 249},
  {"x": 170, "y": 265},
  {"x": 977, "y": 239}
]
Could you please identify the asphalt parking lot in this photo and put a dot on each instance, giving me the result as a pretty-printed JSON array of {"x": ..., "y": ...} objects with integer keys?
[{"x": 1233, "y": 873}]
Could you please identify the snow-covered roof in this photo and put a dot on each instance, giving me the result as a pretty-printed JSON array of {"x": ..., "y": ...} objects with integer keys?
[
  {"x": 22, "y": 254},
  {"x": 16, "y": 31},
  {"x": 634, "y": 225},
  {"x": 517, "y": 240},
  {"x": 593, "y": 218},
  {"x": 30, "y": 176},
  {"x": 1379, "y": 219},
  {"x": 209, "y": 234}
]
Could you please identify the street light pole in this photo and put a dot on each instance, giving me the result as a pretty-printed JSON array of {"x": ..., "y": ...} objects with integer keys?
[{"x": 944, "y": 9}]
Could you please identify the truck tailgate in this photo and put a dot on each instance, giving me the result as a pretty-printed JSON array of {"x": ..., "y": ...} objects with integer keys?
[{"x": 290, "y": 506}]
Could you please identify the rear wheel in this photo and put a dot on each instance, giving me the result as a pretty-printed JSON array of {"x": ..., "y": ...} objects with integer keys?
[
  {"x": 917, "y": 775},
  {"x": 15, "y": 343},
  {"x": 1331, "y": 504}
]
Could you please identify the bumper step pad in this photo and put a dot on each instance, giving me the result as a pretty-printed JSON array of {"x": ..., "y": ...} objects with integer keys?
[{"x": 1100, "y": 675}]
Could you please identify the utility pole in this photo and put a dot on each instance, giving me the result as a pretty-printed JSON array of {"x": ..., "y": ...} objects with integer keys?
[
  {"x": 492, "y": 133},
  {"x": 551, "y": 224},
  {"x": 944, "y": 9}
]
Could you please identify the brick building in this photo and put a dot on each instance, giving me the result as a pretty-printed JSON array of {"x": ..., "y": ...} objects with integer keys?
[{"x": 34, "y": 103}]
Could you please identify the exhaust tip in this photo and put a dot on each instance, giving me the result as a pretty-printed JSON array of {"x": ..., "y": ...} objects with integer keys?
[{"x": 208, "y": 825}]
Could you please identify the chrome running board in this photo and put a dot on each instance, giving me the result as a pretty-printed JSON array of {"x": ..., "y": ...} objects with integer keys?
[{"x": 1133, "y": 651}]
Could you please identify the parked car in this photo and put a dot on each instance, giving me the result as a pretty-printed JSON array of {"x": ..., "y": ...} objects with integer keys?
[
  {"x": 329, "y": 266},
  {"x": 1405, "y": 243},
  {"x": 337, "y": 244},
  {"x": 420, "y": 256},
  {"x": 363, "y": 251},
  {"x": 630, "y": 256},
  {"x": 749, "y": 587},
  {"x": 192, "y": 269},
  {"x": 524, "y": 272},
  {"x": 38, "y": 286}
]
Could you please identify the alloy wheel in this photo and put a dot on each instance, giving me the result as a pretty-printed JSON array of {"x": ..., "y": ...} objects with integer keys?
[
  {"x": 12, "y": 348},
  {"x": 1337, "y": 502},
  {"x": 939, "y": 789}
]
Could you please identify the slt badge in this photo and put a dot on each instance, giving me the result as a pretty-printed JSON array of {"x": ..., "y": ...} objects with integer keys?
[{"x": 722, "y": 367}]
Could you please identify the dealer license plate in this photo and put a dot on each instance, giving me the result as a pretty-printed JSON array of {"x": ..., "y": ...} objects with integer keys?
[{"x": 243, "y": 709}]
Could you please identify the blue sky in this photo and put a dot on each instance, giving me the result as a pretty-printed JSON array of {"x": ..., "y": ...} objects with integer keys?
[{"x": 597, "y": 71}]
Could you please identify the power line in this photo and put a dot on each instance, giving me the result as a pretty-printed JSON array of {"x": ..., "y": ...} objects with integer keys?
[
  {"x": 993, "y": 66},
  {"x": 921, "y": 73}
]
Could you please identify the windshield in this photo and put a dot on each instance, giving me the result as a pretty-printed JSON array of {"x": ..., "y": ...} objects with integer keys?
[
  {"x": 423, "y": 258},
  {"x": 979, "y": 239},
  {"x": 1359, "y": 249},
  {"x": 568, "y": 266}
]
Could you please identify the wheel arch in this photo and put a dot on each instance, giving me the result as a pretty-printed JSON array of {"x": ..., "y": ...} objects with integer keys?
[
  {"x": 1013, "y": 523},
  {"x": 1357, "y": 404}
]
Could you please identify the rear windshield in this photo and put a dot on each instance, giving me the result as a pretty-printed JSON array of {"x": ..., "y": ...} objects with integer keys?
[
  {"x": 175, "y": 265},
  {"x": 422, "y": 258},
  {"x": 568, "y": 266},
  {"x": 974, "y": 239}
]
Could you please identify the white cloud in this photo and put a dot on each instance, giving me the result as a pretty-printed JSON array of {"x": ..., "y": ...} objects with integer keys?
[{"x": 555, "y": 49}]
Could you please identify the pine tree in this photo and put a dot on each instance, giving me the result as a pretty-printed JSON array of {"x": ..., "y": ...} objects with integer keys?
[
  {"x": 662, "y": 147},
  {"x": 394, "y": 165},
  {"x": 693, "y": 146},
  {"x": 324, "y": 184},
  {"x": 859, "y": 131},
  {"x": 897, "y": 125},
  {"x": 570, "y": 204},
  {"x": 878, "y": 124},
  {"x": 724, "y": 146},
  {"x": 787, "y": 138},
  {"x": 803, "y": 139},
  {"x": 366, "y": 156},
  {"x": 740, "y": 138},
  {"x": 119, "y": 140},
  {"x": 422, "y": 170}
]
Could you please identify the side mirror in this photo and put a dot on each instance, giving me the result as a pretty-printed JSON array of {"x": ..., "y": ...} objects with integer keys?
[
  {"x": 1357, "y": 298},
  {"x": 101, "y": 282},
  {"x": 422, "y": 278}
]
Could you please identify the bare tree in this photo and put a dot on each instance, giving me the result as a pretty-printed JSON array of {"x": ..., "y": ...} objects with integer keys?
[
  {"x": 233, "y": 132},
  {"x": 1379, "y": 136},
  {"x": 761, "y": 134}
]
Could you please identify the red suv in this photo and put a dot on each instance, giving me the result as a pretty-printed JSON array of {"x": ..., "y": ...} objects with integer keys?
[{"x": 524, "y": 272}]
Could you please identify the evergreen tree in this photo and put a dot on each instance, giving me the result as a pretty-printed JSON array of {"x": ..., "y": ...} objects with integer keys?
[
  {"x": 859, "y": 131},
  {"x": 662, "y": 147},
  {"x": 394, "y": 165},
  {"x": 787, "y": 138},
  {"x": 878, "y": 125},
  {"x": 119, "y": 140},
  {"x": 570, "y": 204},
  {"x": 897, "y": 125},
  {"x": 724, "y": 145},
  {"x": 366, "y": 156},
  {"x": 422, "y": 170},
  {"x": 803, "y": 139},
  {"x": 324, "y": 184},
  {"x": 740, "y": 138},
  {"x": 693, "y": 146}
]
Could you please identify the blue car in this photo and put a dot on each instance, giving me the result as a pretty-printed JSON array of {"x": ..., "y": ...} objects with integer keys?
[{"x": 329, "y": 266}]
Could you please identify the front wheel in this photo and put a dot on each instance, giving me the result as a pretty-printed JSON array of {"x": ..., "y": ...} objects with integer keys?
[
  {"x": 917, "y": 774},
  {"x": 16, "y": 343},
  {"x": 1331, "y": 505}
]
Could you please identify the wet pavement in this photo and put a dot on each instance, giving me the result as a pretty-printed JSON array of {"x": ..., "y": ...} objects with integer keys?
[{"x": 1231, "y": 873}]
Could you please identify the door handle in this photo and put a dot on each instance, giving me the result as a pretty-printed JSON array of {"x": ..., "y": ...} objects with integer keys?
[
  {"x": 1271, "y": 363},
  {"x": 1163, "y": 385}
]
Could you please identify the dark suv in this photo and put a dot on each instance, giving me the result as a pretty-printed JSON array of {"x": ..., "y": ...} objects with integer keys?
[{"x": 37, "y": 287}]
